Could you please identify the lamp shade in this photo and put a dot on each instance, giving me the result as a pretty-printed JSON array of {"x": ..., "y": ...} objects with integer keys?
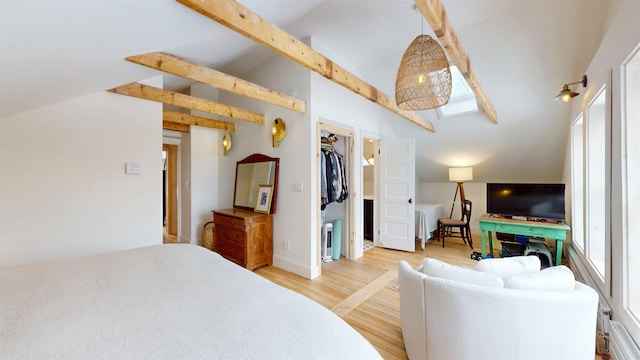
[
  {"x": 565, "y": 94},
  {"x": 461, "y": 174},
  {"x": 424, "y": 78}
]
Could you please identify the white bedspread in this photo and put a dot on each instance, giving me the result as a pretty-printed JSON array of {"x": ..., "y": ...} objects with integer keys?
[{"x": 164, "y": 302}]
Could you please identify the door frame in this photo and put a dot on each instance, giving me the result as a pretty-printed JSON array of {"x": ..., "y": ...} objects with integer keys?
[
  {"x": 171, "y": 183},
  {"x": 175, "y": 144},
  {"x": 376, "y": 182},
  {"x": 348, "y": 240}
]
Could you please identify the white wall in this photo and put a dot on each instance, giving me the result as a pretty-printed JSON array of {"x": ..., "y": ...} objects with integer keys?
[
  {"x": 290, "y": 223},
  {"x": 622, "y": 37},
  {"x": 186, "y": 219},
  {"x": 64, "y": 192},
  {"x": 205, "y": 150},
  {"x": 202, "y": 178}
]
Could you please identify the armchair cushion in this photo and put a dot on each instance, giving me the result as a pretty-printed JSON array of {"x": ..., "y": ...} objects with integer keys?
[
  {"x": 437, "y": 268},
  {"x": 509, "y": 266},
  {"x": 555, "y": 278}
]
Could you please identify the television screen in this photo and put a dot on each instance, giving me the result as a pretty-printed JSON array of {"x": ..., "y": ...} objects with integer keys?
[{"x": 536, "y": 201}]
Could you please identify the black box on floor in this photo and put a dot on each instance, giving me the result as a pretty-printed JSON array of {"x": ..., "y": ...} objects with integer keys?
[
  {"x": 512, "y": 249},
  {"x": 505, "y": 237}
]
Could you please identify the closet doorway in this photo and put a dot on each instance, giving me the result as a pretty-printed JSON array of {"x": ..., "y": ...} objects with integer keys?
[
  {"x": 340, "y": 214},
  {"x": 368, "y": 186}
]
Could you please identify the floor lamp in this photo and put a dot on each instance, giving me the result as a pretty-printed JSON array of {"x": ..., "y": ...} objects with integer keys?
[{"x": 460, "y": 175}]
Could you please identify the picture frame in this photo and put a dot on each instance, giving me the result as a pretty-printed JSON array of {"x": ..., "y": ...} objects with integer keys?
[{"x": 263, "y": 200}]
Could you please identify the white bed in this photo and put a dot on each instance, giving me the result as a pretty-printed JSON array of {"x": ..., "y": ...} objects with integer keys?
[{"x": 164, "y": 302}]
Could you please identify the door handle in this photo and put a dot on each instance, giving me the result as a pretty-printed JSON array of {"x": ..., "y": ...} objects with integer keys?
[{"x": 410, "y": 201}]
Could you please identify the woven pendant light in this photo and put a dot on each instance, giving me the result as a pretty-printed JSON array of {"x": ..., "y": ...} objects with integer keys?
[{"x": 424, "y": 78}]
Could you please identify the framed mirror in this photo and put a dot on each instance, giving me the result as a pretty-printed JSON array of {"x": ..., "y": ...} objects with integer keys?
[{"x": 252, "y": 172}]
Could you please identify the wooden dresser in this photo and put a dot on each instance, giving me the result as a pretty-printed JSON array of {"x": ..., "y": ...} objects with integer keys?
[{"x": 244, "y": 237}]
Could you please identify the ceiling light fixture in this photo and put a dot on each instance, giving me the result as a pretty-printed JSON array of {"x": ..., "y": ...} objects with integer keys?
[
  {"x": 424, "y": 79},
  {"x": 566, "y": 94}
]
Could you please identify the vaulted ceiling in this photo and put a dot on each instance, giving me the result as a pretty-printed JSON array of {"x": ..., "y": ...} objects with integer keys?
[{"x": 522, "y": 53}]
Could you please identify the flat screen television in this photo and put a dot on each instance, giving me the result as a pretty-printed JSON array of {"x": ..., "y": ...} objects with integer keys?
[{"x": 535, "y": 201}]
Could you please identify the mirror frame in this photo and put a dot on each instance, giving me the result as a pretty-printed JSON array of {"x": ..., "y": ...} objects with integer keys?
[{"x": 258, "y": 158}]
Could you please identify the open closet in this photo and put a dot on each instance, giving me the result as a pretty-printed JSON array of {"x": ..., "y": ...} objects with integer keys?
[{"x": 335, "y": 187}]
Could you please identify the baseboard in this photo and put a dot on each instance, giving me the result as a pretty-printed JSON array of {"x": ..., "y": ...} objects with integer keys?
[
  {"x": 285, "y": 264},
  {"x": 616, "y": 340}
]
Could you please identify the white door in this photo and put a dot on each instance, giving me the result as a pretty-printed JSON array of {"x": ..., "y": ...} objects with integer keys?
[{"x": 397, "y": 194}]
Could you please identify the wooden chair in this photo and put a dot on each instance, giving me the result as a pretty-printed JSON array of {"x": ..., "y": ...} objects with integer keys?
[{"x": 445, "y": 225}]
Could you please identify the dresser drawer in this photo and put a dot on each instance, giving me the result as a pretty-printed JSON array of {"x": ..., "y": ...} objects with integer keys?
[
  {"x": 231, "y": 234},
  {"x": 522, "y": 229},
  {"x": 231, "y": 251},
  {"x": 228, "y": 221},
  {"x": 519, "y": 229}
]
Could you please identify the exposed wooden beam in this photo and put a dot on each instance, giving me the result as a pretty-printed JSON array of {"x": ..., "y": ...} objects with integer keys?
[
  {"x": 192, "y": 71},
  {"x": 188, "y": 119},
  {"x": 436, "y": 16},
  {"x": 173, "y": 98},
  {"x": 168, "y": 125},
  {"x": 244, "y": 21}
]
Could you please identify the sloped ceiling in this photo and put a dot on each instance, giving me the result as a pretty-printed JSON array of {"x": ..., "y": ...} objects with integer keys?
[{"x": 522, "y": 52}]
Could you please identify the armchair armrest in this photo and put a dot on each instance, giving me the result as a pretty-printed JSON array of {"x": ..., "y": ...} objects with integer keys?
[{"x": 412, "y": 310}]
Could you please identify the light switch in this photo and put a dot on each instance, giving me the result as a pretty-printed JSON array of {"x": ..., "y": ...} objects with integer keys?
[
  {"x": 298, "y": 186},
  {"x": 133, "y": 168}
]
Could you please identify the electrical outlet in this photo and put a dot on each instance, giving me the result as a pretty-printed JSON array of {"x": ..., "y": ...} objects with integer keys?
[{"x": 285, "y": 245}]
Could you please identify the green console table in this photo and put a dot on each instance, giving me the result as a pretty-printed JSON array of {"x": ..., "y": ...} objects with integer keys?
[{"x": 544, "y": 229}]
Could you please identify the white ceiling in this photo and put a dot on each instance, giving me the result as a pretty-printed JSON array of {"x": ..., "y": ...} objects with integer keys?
[{"x": 522, "y": 52}]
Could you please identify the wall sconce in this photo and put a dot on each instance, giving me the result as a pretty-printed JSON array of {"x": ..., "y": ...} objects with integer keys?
[
  {"x": 278, "y": 130},
  {"x": 567, "y": 93},
  {"x": 226, "y": 144}
]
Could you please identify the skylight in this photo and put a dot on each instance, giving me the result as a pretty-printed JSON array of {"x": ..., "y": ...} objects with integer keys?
[{"x": 462, "y": 98}]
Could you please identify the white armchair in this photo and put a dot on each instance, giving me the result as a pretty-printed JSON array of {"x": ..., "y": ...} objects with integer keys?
[{"x": 469, "y": 314}]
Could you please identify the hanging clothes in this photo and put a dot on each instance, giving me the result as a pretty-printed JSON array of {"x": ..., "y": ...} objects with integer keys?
[{"x": 333, "y": 180}]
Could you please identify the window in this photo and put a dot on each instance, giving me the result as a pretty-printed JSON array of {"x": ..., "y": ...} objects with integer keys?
[
  {"x": 577, "y": 188},
  {"x": 631, "y": 191},
  {"x": 596, "y": 184},
  {"x": 462, "y": 100}
]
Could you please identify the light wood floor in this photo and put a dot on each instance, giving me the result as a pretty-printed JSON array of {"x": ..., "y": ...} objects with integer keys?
[
  {"x": 168, "y": 238},
  {"x": 362, "y": 292}
]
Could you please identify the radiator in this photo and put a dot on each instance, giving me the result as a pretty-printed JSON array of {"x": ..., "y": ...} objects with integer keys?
[
  {"x": 621, "y": 344},
  {"x": 616, "y": 338}
]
